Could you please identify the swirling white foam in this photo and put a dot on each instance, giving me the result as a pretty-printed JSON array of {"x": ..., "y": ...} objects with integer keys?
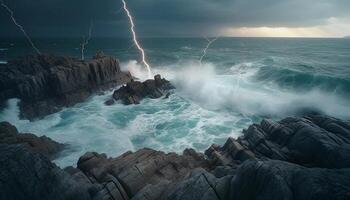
[{"x": 206, "y": 108}]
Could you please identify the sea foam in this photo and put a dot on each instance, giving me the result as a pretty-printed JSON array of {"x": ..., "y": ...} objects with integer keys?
[{"x": 207, "y": 107}]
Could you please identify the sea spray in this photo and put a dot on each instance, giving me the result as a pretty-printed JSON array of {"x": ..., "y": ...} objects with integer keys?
[
  {"x": 205, "y": 107},
  {"x": 170, "y": 125}
]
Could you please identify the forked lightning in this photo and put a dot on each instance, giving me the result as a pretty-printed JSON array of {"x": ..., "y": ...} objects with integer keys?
[
  {"x": 137, "y": 44},
  {"x": 19, "y": 26},
  {"x": 210, "y": 41}
]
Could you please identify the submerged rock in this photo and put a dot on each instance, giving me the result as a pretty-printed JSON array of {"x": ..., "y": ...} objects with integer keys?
[
  {"x": 46, "y": 83},
  {"x": 43, "y": 144},
  {"x": 135, "y": 91}
]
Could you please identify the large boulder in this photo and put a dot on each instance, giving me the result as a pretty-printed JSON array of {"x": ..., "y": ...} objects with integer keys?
[
  {"x": 46, "y": 83},
  {"x": 135, "y": 91},
  {"x": 25, "y": 175},
  {"x": 43, "y": 144}
]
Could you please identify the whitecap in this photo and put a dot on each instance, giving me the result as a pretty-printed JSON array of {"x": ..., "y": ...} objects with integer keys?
[
  {"x": 206, "y": 108},
  {"x": 186, "y": 48}
]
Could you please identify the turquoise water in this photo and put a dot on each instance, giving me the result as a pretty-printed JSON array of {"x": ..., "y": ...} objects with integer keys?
[{"x": 240, "y": 82}]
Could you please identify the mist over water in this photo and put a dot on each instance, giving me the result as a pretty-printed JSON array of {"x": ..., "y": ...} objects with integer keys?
[{"x": 240, "y": 82}]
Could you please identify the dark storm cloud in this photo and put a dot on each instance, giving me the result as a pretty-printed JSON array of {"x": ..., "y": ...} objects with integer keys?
[{"x": 166, "y": 17}]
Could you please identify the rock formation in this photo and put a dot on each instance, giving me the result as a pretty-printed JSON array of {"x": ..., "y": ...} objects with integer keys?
[
  {"x": 296, "y": 159},
  {"x": 26, "y": 175},
  {"x": 313, "y": 141},
  {"x": 43, "y": 144},
  {"x": 46, "y": 83},
  {"x": 276, "y": 180},
  {"x": 135, "y": 91}
]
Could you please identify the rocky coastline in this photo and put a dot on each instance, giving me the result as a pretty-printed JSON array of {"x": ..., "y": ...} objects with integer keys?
[
  {"x": 47, "y": 83},
  {"x": 295, "y": 158}
]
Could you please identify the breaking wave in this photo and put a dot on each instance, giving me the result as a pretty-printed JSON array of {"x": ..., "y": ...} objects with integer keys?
[{"x": 234, "y": 88}]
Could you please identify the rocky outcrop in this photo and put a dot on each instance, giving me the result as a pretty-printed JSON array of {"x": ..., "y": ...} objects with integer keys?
[
  {"x": 46, "y": 83},
  {"x": 199, "y": 185},
  {"x": 313, "y": 141},
  {"x": 265, "y": 180},
  {"x": 123, "y": 177},
  {"x": 272, "y": 160},
  {"x": 43, "y": 144},
  {"x": 26, "y": 175},
  {"x": 275, "y": 180},
  {"x": 135, "y": 91}
]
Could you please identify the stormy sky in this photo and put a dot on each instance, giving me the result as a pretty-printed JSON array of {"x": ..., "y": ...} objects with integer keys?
[{"x": 180, "y": 18}]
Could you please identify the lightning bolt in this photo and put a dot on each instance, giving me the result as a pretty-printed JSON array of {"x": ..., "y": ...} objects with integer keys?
[
  {"x": 137, "y": 44},
  {"x": 86, "y": 41},
  {"x": 19, "y": 26},
  {"x": 206, "y": 48}
]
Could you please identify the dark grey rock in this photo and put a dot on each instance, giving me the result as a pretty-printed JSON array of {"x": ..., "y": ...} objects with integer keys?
[
  {"x": 275, "y": 180},
  {"x": 43, "y": 144},
  {"x": 131, "y": 172},
  {"x": 200, "y": 185},
  {"x": 231, "y": 154},
  {"x": 313, "y": 141},
  {"x": 25, "y": 175},
  {"x": 135, "y": 91},
  {"x": 272, "y": 160},
  {"x": 46, "y": 83},
  {"x": 109, "y": 102}
]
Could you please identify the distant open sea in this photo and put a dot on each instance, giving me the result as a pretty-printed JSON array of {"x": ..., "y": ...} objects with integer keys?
[{"x": 241, "y": 81}]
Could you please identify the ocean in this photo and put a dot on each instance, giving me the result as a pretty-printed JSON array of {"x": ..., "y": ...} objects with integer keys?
[{"x": 240, "y": 82}]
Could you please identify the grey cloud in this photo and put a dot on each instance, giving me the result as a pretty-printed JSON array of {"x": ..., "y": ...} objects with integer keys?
[{"x": 168, "y": 17}]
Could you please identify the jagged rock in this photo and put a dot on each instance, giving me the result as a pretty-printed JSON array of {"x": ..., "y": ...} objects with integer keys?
[
  {"x": 314, "y": 141},
  {"x": 46, "y": 83},
  {"x": 232, "y": 153},
  {"x": 200, "y": 185},
  {"x": 255, "y": 166},
  {"x": 43, "y": 144},
  {"x": 264, "y": 180},
  {"x": 127, "y": 174},
  {"x": 25, "y": 175},
  {"x": 109, "y": 102},
  {"x": 135, "y": 91},
  {"x": 275, "y": 180}
]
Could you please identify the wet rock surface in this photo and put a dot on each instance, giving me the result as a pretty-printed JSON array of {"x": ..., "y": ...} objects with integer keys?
[
  {"x": 26, "y": 175},
  {"x": 313, "y": 141},
  {"x": 296, "y": 158},
  {"x": 44, "y": 145},
  {"x": 134, "y": 91},
  {"x": 46, "y": 83},
  {"x": 276, "y": 180},
  {"x": 123, "y": 177}
]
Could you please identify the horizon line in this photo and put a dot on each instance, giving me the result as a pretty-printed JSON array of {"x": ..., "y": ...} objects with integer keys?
[{"x": 174, "y": 37}]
